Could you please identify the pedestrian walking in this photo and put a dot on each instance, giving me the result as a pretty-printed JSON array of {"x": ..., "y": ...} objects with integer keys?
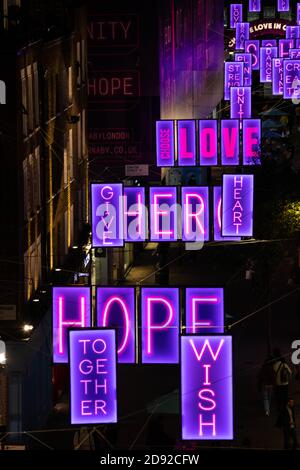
[
  {"x": 287, "y": 422},
  {"x": 266, "y": 379},
  {"x": 283, "y": 376}
]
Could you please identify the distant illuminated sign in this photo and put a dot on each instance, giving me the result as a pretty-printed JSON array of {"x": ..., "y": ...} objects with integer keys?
[
  {"x": 116, "y": 309},
  {"x": 107, "y": 215},
  {"x": 160, "y": 325},
  {"x": 237, "y": 205},
  {"x": 240, "y": 102},
  {"x": 165, "y": 143},
  {"x": 242, "y": 34},
  {"x": 284, "y": 46},
  {"x": 247, "y": 60},
  {"x": 236, "y": 14},
  {"x": 277, "y": 76},
  {"x": 234, "y": 76},
  {"x": 266, "y": 56},
  {"x": 283, "y": 5},
  {"x": 291, "y": 79},
  {"x": 293, "y": 32},
  {"x": 71, "y": 309},
  {"x": 206, "y": 387},
  {"x": 93, "y": 376},
  {"x": 253, "y": 47},
  {"x": 254, "y": 5}
]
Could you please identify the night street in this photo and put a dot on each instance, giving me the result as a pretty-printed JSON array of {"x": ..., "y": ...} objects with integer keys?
[{"x": 150, "y": 248}]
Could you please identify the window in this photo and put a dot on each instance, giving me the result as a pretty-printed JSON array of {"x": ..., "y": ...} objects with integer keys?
[
  {"x": 36, "y": 95},
  {"x": 70, "y": 154},
  {"x": 24, "y": 102},
  {"x": 70, "y": 85},
  {"x": 30, "y": 98},
  {"x": 79, "y": 63},
  {"x": 79, "y": 140},
  {"x": 83, "y": 130},
  {"x": 37, "y": 173}
]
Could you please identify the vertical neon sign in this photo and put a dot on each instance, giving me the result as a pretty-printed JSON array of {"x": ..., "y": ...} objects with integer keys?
[
  {"x": 292, "y": 32},
  {"x": 135, "y": 221},
  {"x": 195, "y": 214},
  {"x": 294, "y": 54},
  {"x": 269, "y": 43},
  {"x": 247, "y": 60},
  {"x": 206, "y": 388},
  {"x": 165, "y": 143},
  {"x": 254, "y": 5},
  {"x": 186, "y": 131},
  {"x": 93, "y": 376},
  {"x": 277, "y": 77},
  {"x": 266, "y": 56},
  {"x": 208, "y": 142},
  {"x": 107, "y": 215},
  {"x": 252, "y": 46},
  {"x": 240, "y": 102},
  {"x": 242, "y": 35},
  {"x": 160, "y": 325},
  {"x": 236, "y": 14},
  {"x": 116, "y": 309},
  {"x": 163, "y": 214},
  {"x": 291, "y": 79},
  {"x": 218, "y": 217},
  {"x": 237, "y": 206},
  {"x": 251, "y": 141},
  {"x": 230, "y": 142},
  {"x": 204, "y": 309},
  {"x": 284, "y": 47},
  {"x": 283, "y": 5},
  {"x": 233, "y": 76},
  {"x": 70, "y": 308}
]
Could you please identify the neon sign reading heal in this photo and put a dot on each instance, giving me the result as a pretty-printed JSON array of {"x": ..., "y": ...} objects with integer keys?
[
  {"x": 93, "y": 376},
  {"x": 206, "y": 387}
]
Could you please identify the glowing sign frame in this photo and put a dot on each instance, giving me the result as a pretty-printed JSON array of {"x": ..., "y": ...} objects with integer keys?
[
  {"x": 135, "y": 214},
  {"x": 160, "y": 338},
  {"x": 251, "y": 142},
  {"x": 169, "y": 193},
  {"x": 197, "y": 220},
  {"x": 65, "y": 302},
  {"x": 206, "y": 388},
  {"x": 165, "y": 150},
  {"x": 204, "y": 310},
  {"x": 107, "y": 214},
  {"x": 237, "y": 205},
  {"x": 186, "y": 142},
  {"x": 110, "y": 300},
  {"x": 82, "y": 366}
]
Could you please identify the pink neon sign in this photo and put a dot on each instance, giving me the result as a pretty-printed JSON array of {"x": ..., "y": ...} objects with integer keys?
[
  {"x": 116, "y": 309},
  {"x": 251, "y": 141},
  {"x": 160, "y": 325},
  {"x": 204, "y": 310},
  {"x": 195, "y": 214},
  {"x": 70, "y": 309},
  {"x": 208, "y": 137},
  {"x": 186, "y": 132},
  {"x": 163, "y": 214}
]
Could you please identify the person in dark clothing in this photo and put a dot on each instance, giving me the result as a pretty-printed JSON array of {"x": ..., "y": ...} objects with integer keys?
[
  {"x": 283, "y": 376},
  {"x": 266, "y": 383},
  {"x": 287, "y": 421}
]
